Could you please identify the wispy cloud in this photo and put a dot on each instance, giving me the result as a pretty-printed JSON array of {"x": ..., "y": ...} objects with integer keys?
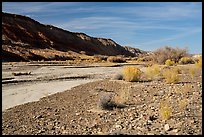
[
  {"x": 181, "y": 35},
  {"x": 134, "y": 23}
]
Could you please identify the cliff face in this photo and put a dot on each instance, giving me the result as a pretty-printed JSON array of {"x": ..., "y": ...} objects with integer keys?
[{"x": 26, "y": 39}]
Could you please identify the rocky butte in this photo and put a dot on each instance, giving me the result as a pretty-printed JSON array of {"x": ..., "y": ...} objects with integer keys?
[{"x": 24, "y": 39}]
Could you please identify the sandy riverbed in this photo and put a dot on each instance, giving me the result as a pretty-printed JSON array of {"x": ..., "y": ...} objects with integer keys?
[{"x": 45, "y": 80}]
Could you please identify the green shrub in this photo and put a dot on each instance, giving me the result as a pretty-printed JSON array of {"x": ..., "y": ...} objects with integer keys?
[{"x": 131, "y": 73}]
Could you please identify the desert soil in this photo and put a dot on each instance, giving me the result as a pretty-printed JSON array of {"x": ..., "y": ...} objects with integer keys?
[{"x": 64, "y": 100}]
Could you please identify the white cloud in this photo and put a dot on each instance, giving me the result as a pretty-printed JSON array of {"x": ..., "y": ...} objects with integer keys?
[{"x": 181, "y": 35}]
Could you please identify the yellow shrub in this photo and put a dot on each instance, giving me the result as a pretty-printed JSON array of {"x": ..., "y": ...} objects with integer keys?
[
  {"x": 171, "y": 76},
  {"x": 186, "y": 60},
  {"x": 168, "y": 62},
  {"x": 131, "y": 73},
  {"x": 199, "y": 63},
  {"x": 152, "y": 71},
  {"x": 165, "y": 110}
]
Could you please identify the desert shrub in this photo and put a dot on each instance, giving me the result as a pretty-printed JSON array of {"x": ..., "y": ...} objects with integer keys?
[
  {"x": 144, "y": 59},
  {"x": 152, "y": 71},
  {"x": 164, "y": 53},
  {"x": 117, "y": 59},
  {"x": 199, "y": 63},
  {"x": 168, "y": 62},
  {"x": 101, "y": 57},
  {"x": 131, "y": 73},
  {"x": 165, "y": 110},
  {"x": 186, "y": 60},
  {"x": 171, "y": 76},
  {"x": 117, "y": 77},
  {"x": 106, "y": 102}
]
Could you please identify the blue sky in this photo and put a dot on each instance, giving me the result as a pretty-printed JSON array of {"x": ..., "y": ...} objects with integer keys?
[{"x": 144, "y": 25}]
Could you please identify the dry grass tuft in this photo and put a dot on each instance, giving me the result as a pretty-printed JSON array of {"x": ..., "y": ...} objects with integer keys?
[
  {"x": 171, "y": 76},
  {"x": 153, "y": 71},
  {"x": 165, "y": 110},
  {"x": 131, "y": 73},
  {"x": 199, "y": 63}
]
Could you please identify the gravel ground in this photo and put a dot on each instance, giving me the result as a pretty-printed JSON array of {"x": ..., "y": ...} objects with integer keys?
[{"x": 76, "y": 111}]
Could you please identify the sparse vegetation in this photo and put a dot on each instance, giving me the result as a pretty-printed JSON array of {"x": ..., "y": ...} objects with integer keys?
[
  {"x": 171, "y": 76},
  {"x": 165, "y": 53},
  {"x": 131, "y": 73},
  {"x": 117, "y": 59}
]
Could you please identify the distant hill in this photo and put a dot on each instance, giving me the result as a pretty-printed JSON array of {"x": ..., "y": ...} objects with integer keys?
[{"x": 25, "y": 39}]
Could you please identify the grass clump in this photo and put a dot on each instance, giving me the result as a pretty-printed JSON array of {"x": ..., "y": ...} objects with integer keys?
[
  {"x": 171, "y": 76},
  {"x": 165, "y": 110},
  {"x": 152, "y": 71},
  {"x": 199, "y": 63},
  {"x": 169, "y": 62},
  {"x": 131, "y": 73}
]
